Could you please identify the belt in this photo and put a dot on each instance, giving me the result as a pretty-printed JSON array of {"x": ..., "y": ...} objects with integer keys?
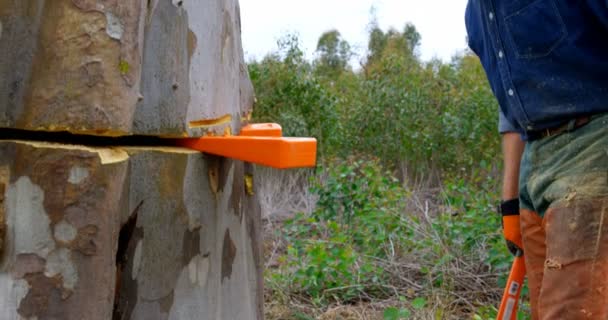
[{"x": 568, "y": 126}]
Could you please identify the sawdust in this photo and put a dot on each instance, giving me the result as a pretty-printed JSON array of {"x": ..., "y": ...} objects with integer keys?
[
  {"x": 106, "y": 155},
  {"x": 249, "y": 185},
  {"x": 570, "y": 196},
  {"x": 206, "y": 123}
]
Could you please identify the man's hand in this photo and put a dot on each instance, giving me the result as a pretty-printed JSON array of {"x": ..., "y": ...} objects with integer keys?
[{"x": 509, "y": 211}]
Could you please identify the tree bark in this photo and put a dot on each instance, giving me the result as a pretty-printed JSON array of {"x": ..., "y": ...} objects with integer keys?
[
  {"x": 124, "y": 232},
  {"x": 139, "y": 233},
  {"x": 157, "y": 67}
]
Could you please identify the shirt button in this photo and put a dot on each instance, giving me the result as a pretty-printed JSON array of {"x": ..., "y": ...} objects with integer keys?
[
  {"x": 501, "y": 54},
  {"x": 491, "y": 16},
  {"x": 511, "y": 92}
]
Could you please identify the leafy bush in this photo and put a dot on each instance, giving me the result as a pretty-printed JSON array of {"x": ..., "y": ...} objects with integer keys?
[
  {"x": 332, "y": 251},
  {"x": 358, "y": 242},
  {"x": 372, "y": 236}
]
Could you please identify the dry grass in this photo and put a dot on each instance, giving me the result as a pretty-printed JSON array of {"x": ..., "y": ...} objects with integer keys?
[{"x": 284, "y": 192}]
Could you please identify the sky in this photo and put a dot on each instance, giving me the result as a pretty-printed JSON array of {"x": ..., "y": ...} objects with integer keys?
[{"x": 440, "y": 23}]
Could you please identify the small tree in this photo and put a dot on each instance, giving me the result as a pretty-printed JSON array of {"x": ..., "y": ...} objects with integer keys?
[
  {"x": 288, "y": 92},
  {"x": 333, "y": 53}
]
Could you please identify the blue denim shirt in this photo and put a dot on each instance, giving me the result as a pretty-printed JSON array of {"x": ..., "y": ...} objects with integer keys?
[{"x": 546, "y": 60}]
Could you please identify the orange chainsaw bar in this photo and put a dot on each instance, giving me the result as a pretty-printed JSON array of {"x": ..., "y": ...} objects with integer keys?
[{"x": 261, "y": 144}]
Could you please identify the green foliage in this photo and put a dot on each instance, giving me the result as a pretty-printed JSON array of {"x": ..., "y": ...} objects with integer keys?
[
  {"x": 288, "y": 93},
  {"x": 419, "y": 303},
  {"x": 477, "y": 223},
  {"x": 490, "y": 313},
  {"x": 396, "y": 116},
  {"x": 412, "y": 36},
  {"x": 424, "y": 118},
  {"x": 336, "y": 253},
  {"x": 358, "y": 216},
  {"x": 403, "y": 43},
  {"x": 434, "y": 118},
  {"x": 333, "y": 53},
  {"x": 396, "y": 314}
]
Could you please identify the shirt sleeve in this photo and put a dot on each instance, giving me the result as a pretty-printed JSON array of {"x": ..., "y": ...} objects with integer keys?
[{"x": 505, "y": 125}]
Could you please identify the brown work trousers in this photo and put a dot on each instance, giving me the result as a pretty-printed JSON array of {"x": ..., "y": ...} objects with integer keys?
[{"x": 564, "y": 222}]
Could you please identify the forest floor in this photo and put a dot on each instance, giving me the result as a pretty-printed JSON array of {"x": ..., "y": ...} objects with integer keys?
[
  {"x": 440, "y": 278},
  {"x": 289, "y": 306}
]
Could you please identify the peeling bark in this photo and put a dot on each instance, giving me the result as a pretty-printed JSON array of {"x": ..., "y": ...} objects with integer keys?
[
  {"x": 183, "y": 250},
  {"x": 61, "y": 238}
]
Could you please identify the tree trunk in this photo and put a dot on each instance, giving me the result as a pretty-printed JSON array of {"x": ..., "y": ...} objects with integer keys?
[
  {"x": 124, "y": 232},
  {"x": 121, "y": 67}
]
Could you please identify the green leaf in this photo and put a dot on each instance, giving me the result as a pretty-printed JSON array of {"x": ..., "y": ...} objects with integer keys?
[
  {"x": 301, "y": 316},
  {"x": 405, "y": 313},
  {"x": 419, "y": 303},
  {"x": 391, "y": 314},
  {"x": 396, "y": 314}
]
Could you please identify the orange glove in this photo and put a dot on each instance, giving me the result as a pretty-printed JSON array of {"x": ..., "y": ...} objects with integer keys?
[{"x": 510, "y": 225}]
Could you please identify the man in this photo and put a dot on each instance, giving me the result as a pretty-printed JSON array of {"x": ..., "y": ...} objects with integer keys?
[{"x": 547, "y": 63}]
